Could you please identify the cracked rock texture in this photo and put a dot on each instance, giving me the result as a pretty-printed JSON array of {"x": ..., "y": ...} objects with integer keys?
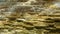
[{"x": 29, "y": 16}]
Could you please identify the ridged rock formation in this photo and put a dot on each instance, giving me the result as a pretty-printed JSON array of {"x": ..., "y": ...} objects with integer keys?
[{"x": 29, "y": 16}]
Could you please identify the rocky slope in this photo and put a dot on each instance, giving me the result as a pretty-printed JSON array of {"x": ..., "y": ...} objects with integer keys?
[{"x": 29, "y": 17}]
